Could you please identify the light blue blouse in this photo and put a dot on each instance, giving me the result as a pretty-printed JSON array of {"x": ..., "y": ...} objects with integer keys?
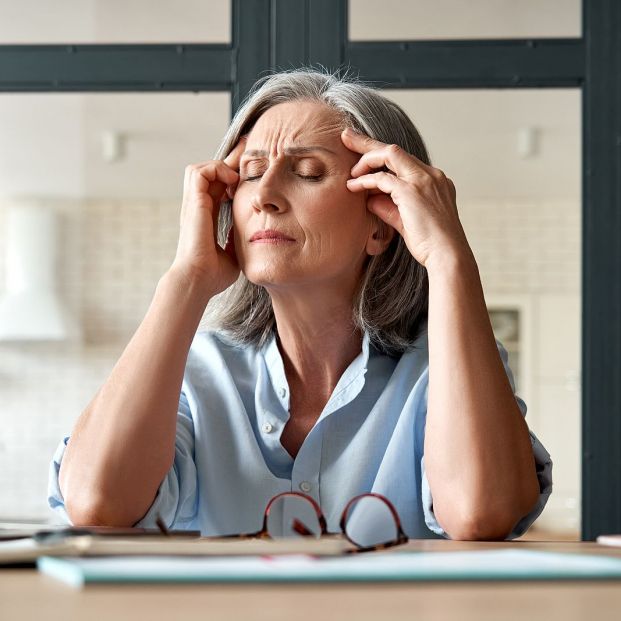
[{"x": 229, "y": 461}]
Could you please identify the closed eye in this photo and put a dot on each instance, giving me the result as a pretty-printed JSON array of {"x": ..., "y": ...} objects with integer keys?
[{"x": 308, "y": 177}]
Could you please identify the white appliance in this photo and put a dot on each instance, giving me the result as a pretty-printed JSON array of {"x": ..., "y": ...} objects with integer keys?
[{"x": 30, "y": 308}]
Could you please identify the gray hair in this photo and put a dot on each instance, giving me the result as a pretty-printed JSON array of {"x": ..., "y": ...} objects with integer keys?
[{"x": 392, "y": 298}]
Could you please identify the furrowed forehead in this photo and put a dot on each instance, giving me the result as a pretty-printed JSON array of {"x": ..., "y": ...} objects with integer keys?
[
  {"x": 293, "y": 150},
  {"x": 303, "y": 127}
]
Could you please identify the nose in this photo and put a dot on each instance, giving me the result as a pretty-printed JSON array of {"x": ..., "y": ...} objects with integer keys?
[
  {"x": 267, "y": 195},
  {"x": 258, "y": 205}
]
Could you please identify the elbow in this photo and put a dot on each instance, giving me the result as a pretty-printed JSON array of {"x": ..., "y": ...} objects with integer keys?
[
  {"x": 487, "y": 517},
  {"x": 87, "y": 513},
  {"x": 84, "y": 506},
  {"x": 476, "y": 524},
  {"x": 99, "y": 511},
  {"x": 91, "y": 503},
  {"x": 479, "y": 528}
]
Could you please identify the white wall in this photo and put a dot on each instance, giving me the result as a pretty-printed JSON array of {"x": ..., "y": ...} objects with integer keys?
[
  {"x": 112, "y": 250},
  {"x": 455, "y": 19},
  {"x": 100, "y": 21}
]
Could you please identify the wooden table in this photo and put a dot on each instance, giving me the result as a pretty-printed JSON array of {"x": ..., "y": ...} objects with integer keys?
[{"x": 25, "y": 595}]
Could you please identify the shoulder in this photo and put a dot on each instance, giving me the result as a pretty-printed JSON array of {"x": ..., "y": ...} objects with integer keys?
[
  {"x": 418, "y": 351},
  {"x": 407, "y": 371},
  {"x": 215, "y": 349},
  {"x": 218, "y": 342},
  {"x": 216, "y": 338}
]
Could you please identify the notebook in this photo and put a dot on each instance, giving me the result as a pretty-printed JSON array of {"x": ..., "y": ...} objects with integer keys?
[
  {"x": 25, "y": 550},
  {"x": 507, "y": 564}
]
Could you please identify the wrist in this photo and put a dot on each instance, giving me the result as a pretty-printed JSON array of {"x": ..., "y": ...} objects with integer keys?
[
  {"x": 193, "y": 284},
  {"x": 452, "y": 260}
]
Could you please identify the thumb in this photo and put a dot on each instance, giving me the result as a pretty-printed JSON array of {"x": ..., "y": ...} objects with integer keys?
[{"x": 382, "y": 206}]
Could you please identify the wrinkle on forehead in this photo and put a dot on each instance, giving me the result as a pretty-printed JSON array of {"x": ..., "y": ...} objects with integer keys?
[{"x": 295, "y": 124}]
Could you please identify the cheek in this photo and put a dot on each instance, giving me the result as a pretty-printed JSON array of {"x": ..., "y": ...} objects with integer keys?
[
  {"x": 236, "y": 213},
  {"x": 344, "y": 211},
  {"x": 241, "y": 212},
  {"x": 336, "y": 228},
  {"x": 335, "y": 203},
  {"x": 240, "y": 220}
]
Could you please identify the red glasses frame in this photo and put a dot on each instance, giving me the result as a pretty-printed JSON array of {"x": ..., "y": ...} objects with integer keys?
[{"x": 302, "y": 530}]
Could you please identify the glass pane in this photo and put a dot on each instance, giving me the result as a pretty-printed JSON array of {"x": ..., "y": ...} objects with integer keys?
[
  {"x": 515, "y": 159},
  {"x": 113, "y": 21},
  {"x": 116, "y": 225},
  {"x": 453, "y": 19}
]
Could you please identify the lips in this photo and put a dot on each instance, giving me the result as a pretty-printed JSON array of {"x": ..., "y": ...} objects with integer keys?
[{"x": 270, "y": 235}]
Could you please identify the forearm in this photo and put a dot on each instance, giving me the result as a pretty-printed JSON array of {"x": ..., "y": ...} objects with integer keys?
[
  {"x": 478, "y": 455},
  {"x": 122, "y": 445}
]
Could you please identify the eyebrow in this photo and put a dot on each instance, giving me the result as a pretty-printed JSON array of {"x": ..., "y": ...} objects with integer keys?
[{"x": 289, "y": 151}]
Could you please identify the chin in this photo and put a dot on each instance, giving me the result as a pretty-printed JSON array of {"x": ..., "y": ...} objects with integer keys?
[{"x": 269, "y": 275}]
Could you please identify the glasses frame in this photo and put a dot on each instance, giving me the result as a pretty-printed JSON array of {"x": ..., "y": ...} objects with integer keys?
[{"x": 302, "y": 530}]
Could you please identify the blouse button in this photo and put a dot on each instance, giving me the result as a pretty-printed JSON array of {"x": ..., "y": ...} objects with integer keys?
[
  {"x": 282, "y": 392},
  {"x": 305, "y": 486},
  {"x": 267, "y": 428}
]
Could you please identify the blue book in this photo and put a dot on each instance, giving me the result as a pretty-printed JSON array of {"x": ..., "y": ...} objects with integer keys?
[{"x": 500, "y": 564}]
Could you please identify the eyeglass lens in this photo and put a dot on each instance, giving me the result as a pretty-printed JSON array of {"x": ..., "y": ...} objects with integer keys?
[
  {"x": 292, "y": 516},
  {"x": 369, "y": 522}
]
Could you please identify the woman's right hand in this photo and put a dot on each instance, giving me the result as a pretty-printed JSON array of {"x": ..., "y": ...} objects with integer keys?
[{"x": 199, "y": 256}]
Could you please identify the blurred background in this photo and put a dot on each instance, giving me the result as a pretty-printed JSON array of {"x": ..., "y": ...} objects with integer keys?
[{"x": 90, "y": 192}]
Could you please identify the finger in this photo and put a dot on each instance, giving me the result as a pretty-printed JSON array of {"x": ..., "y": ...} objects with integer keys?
[
  {"x": 211, "y": 177},
  {"x": 214, "y": 179},
  {"x": 186, "y": 184},
  {"x": 383, "y": 207},
  {"x": 234, "y": 157},
  {"x": 394, "y": 158},
  {"x": 452, "y": 190},
  {"x": 386, "y": 182},
  {"x": 360, "y": 143},
  {"x": 233, "y": 161},
  {"x": 217, "y": 170}
]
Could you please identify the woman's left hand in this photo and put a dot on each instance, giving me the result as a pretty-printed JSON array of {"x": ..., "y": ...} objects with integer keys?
[{"x": 417, "y": 200}]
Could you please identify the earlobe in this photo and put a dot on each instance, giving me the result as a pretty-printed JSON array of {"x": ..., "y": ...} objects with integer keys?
[{"x": 380, "y": 238}]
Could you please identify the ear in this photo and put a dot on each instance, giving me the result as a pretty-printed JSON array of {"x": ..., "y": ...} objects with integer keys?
[{"x": 380, "y": 236}]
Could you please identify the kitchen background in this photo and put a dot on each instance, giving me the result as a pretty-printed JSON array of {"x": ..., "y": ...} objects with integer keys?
[{"x": 101, "y": 176}]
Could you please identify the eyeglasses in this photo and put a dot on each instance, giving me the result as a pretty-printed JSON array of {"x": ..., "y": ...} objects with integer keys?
[{"x": 369, "y": 521}]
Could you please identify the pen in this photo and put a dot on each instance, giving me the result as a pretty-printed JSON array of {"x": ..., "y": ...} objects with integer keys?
[{"x": 51, "y": 536}]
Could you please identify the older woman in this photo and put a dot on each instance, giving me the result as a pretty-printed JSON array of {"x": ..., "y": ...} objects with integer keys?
[{"x": 352, "y": 351}]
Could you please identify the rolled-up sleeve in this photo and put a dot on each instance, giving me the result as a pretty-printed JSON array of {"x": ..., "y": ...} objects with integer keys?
[
  {"x": 54, "y": 496},
  {"x": 176, "y": 500},
  {"x": 543, "y": 464}
]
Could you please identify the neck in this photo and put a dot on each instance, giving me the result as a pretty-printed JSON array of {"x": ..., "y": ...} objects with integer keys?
[{"x": 317, "y": 338}]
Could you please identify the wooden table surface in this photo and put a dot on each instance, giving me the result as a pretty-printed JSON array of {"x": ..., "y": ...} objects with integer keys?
[{"x": 25, "y": 595}]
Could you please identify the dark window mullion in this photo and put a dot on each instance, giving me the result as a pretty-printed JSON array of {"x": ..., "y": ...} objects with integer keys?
[
  {"x": 169, "y": 67},
  {"x": 601, "y": 281},
  {"x": 502, "y": 63}
]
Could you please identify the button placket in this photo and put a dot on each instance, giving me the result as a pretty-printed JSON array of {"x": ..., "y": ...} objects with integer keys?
[{"x": 305, "y": 473}]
